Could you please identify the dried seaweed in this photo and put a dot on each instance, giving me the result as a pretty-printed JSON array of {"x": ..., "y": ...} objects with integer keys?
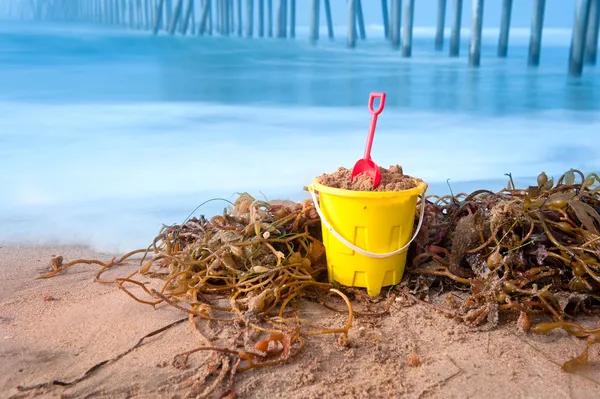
[
  {"x": 534, "y": 252},
  {"x": 245, "y": 267}
]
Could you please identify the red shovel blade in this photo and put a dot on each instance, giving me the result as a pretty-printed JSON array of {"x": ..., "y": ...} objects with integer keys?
[
  {"x": 369, "y": 168},
  {"x": 366, "y": 165}
]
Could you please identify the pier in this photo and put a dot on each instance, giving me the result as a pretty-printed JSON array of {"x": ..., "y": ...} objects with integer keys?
[{"x": 277, "y": 19}]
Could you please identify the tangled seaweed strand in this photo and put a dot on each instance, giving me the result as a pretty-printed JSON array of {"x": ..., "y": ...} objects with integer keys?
[
  {"x": 534, "y": 251},
  {"x": 244, "y": 267}
]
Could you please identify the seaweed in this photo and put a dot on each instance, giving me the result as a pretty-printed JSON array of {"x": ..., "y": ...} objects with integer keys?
[
  {"x": 534, "y": 252},
  {"x": 259, "y": 257}
]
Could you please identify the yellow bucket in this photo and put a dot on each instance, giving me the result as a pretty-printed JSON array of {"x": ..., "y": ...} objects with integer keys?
[{"x": 366, "y": 233}]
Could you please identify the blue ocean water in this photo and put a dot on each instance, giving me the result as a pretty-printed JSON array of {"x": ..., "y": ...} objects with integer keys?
[{"x": 105, "y": 133}]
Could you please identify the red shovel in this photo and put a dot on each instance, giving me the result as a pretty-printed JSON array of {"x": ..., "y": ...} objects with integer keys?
[{"x": 366, "y": 164}]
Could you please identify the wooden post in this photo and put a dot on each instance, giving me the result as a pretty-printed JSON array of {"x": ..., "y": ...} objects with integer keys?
[
  {"x": 476, "y": 28},
  {"x": 231, "y": 16},
  {"x": 239, "y": 17},
  {"x": 140, "y": 14},
  {"x": 204, "y": 18},
  {"x": 280, "y": 28},
  {"x": 261, "y": 18},
  {"x": 314, "y": 21},
  {"x": 249, "y": 18},
  {"x": 351, "y": 23},
  {"x": 329, "y": 19},
  {"x": 591, "y": 42},
  {"x": 386, "y": 19},
  {"x": 284, "y": 18},
  {"x": 396, "y": 15},
  {"x": 187, "y": 16},
  {"x": 270, "y": 18},
  {"x": 221, "y": 16},
  {"x": 407, "y": 32},
  {"x": 504, "y": 28},
  {"x": 147, "y": 13},
  {"x": 580, "y": 28},
  {"x": 159, "y": 15},
  {"x": 360, "y": 20},
  {"x": 441, "y": 22},
  {"x": 537, "y": 24},
  {"x": 455, "y": 33},
  {"x": 292, "y": 18},
  {"x": 176, "y": 16}
]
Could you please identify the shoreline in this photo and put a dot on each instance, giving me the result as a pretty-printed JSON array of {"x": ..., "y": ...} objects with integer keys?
[{"x": 87, "y": 322}]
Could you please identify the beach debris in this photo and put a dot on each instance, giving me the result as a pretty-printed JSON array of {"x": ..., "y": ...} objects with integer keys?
[
  {"x": 532, "y": 251},
  {"x": 249, "y": 267}
]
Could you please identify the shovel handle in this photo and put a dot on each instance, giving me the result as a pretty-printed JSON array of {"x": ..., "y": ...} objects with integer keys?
[
  {"x": 372, "y": 98},
  {"x": 374, "y": 113}
]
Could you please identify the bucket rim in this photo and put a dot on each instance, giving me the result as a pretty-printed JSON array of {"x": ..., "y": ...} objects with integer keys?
[{"x": 420, "y": 188}]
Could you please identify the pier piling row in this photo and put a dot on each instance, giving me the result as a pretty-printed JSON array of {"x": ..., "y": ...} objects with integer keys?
[{"x": 277, "y": 18}]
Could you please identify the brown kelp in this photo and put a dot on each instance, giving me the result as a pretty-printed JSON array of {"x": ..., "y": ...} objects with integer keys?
[
  {"x": 533, "y": 251},
  {"x": 244, "y": 268}
]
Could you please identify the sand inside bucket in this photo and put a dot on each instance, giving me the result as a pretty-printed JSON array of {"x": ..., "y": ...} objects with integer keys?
[{"x": 392, "y": 179}]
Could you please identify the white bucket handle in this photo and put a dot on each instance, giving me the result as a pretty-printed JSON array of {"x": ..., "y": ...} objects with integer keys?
[{"x": 360, "y": 250}]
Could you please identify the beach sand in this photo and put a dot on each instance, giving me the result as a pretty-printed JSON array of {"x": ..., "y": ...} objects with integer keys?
[{"x": 56, "y": 329}]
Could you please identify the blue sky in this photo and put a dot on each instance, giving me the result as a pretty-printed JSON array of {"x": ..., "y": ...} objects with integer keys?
[{"x": 559, "y": 13}]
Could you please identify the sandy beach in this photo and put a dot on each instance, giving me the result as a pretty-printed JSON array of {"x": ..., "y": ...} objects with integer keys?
[{"x": 56, "y": 329}]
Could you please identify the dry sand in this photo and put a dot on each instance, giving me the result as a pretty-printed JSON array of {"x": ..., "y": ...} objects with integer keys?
[{"x": 88, "y": 322}]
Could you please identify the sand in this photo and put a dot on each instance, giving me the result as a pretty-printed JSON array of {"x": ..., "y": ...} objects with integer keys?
[
  {"x": 392, "y": 179},
  {"x": 413, "y": 352}
]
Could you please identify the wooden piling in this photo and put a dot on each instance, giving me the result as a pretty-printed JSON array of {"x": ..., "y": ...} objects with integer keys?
[
  {"x": 360, "y": 20},
  {"x": 476, "y": 29},
  {"x": 147, "y": 13},
  {"x": 284, "y": 17},
  {"x": 396, "y": 14},
  {"x": 591, "y": 42},
  {"x": 187, "y": 16},
  {"x": 278, "y": 20},
  {"x": 537, "y": 24},
  {"x": 351, "y": 23},
  {"x": 175, "y": 17},
  {"x": 140, "y": 14},
  {"x": 261, "y": 18},
  {"x": 249, "y": 18},
  {"x": 239, "y": 17},
  {"x": 329, "y": 19},
  {"x": 441, "y": 22},
  {"x": 159, "y": 15},
  {"x": 314, "y": 21},
  {"x": 407, "y": 32},
  {"x": 504, "y": 28},
  {"x": 580, "y": 28},
  {"x": 386, "y": 18},
  {"x": 292, "y": 18},
  {"x": 270, "y": 18},
  {"x": 231, "y": 16},
  {"x": 202, "y": 29},
  {"x": 455, "y": 32}
]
